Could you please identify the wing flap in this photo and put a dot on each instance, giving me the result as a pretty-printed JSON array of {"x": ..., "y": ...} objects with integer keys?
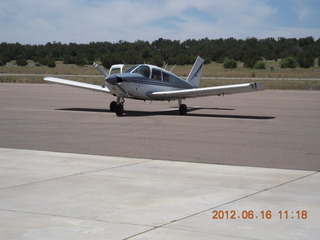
[
  {"x": 207, "y": 91},
  {"x": 77, "y": 84}
]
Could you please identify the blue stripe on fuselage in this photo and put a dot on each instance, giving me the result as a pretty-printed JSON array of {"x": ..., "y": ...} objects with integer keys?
[{"x": 140, "y": 79}]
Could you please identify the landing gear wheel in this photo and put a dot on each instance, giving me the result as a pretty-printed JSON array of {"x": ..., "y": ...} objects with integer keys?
[
  {"x": 183, "y": 109},
  {"x": 113, "y": 106},
  {"x": 119, "y": 109}
]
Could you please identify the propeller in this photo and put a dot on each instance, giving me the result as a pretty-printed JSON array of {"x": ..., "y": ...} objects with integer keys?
[{"x": 100, "y": 69}]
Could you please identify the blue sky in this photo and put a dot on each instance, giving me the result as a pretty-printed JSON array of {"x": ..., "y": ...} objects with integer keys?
[{"x": 84, "y": 21}]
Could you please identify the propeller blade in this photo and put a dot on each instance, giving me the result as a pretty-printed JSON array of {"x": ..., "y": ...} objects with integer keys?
[{"x": 100, "y": 69}]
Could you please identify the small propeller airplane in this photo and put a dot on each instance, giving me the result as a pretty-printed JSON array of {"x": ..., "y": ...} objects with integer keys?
[{"x": 148, "y": 82}]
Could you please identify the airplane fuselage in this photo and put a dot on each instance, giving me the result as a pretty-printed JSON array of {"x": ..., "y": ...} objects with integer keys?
[{"x": 137, "y": 84}]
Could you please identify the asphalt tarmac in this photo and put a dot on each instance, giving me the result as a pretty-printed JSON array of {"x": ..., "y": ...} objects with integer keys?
[{"x": 273, "y": 129}]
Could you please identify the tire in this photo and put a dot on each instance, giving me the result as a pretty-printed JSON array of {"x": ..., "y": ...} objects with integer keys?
[
  {"x": 113, "y": 106},
  {"x": 183, "y": 109},
  {"x": 119, "y": 110}
]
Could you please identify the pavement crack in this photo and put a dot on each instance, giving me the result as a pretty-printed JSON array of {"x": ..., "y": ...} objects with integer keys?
[
  {"x": 72, "y": 175},
  {"x": 224, "y": 204},
  {"x": 71, "y": 217}
]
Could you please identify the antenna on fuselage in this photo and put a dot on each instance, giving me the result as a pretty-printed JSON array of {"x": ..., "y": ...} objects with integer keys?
[{"x": 173, "y": 67}]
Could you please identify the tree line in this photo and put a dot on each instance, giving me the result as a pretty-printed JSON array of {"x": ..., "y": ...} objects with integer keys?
[{"x": 250, "y": 51}]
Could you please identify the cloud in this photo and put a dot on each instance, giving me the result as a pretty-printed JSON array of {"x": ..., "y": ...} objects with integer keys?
[{"x": 83, "y": 21}]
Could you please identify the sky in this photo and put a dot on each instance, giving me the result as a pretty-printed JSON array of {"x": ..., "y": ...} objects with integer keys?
[{"x": 85, "y": 21}]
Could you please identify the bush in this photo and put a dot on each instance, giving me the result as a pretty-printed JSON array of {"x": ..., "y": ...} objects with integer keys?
[
  {"x": 305, "y": 60},
  {"x": 288, "y": 62},
  {"x": 249, "y": 61},
  {"x": 229, "y": 63},
  {"x": 51, "y": 63},
  {"x": 21, "y": 62},
  {"x": 43, "y": 61},
  {"x": 260, "y": 65},
  {"x": 79, "y": 61}
]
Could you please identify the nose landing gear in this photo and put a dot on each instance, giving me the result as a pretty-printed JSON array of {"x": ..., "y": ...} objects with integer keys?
[{"x": 117, "y": 107}]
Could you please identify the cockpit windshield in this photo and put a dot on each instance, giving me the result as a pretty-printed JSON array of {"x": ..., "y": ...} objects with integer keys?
[
  {"x": 144, "y": 70},
  {"x": 131, "y": 68},
  {"x": 154, "y": 73}
]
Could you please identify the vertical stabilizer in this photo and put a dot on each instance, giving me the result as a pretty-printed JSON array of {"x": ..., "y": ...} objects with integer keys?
[{"x": 195, "y": 73}]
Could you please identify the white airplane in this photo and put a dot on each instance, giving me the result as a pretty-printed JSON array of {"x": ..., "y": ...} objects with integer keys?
[{"x": 148, "y": 82}]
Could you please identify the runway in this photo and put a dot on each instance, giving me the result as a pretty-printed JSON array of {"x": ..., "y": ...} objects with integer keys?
[{"x": 273, "y": 129}]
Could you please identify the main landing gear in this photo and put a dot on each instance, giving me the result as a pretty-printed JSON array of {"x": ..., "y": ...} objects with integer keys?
[
  {"x": 117, "y": 106},
  {"x": 183, "y": 109}
]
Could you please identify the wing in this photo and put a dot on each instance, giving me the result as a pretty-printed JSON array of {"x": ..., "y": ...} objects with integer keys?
[
  {"x": 207, "y": 91},
  {"x": 77, "y": 84}
]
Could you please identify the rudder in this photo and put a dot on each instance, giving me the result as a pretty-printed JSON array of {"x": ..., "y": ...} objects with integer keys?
[{"x": 195, "y": 73}]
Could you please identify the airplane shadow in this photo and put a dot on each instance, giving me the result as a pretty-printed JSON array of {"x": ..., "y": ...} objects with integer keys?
[
  {"x": 207, "y": 108},
  {"x": 84, "y": 110},
  {"x": 174, "y": 112}
]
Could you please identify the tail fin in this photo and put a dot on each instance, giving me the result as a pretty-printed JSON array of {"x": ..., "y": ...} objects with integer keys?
[{"x": 195, "y": 73}]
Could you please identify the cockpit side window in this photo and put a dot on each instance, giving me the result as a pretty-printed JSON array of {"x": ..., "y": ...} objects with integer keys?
[
  {"x": 156, "y": 74},
  {"x": 166, "y": 77},
  {"x": 170, "y": 78},
  {"x": 144, "y": 70}
]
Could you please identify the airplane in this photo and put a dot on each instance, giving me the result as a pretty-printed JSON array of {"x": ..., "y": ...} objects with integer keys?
[{"x": 148, "y": 82}]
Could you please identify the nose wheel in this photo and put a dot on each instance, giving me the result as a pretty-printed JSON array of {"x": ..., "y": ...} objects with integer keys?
[
  {"x": 113, "y": 106},
  {"x": 117, "y": 107}
]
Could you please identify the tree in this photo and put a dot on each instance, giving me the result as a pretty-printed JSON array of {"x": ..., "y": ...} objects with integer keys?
[
  {"x": 110, "y": 59},
  {"x": 157, "y": 60},
  {"x": 248, "y": 51}
]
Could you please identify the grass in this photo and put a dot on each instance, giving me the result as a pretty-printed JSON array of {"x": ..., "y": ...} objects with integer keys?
[
  {"x": 213, "y": 71},
  {"x": 270, "y": 84}
]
